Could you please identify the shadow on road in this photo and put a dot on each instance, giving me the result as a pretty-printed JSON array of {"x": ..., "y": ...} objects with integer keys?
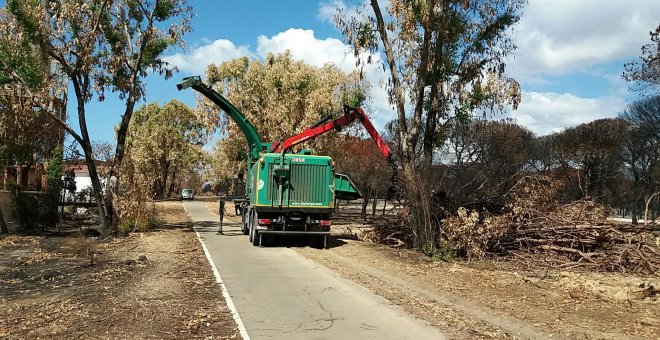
[
  {"x": 296, "y": 241},
  {"x": 228, "y": 228},
  {"x": 231, "y": 229}
]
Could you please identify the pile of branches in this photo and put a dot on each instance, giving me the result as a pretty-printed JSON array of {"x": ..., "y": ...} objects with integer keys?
[
  {"x": 625, "y": 248},
  {"x": 570, "y": 235}
]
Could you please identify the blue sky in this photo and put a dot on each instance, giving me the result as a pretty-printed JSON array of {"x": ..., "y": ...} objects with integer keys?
[{"x": 570, "y": 57}]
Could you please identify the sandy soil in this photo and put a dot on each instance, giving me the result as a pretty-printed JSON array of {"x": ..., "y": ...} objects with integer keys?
[
  {"x": 147, "y": 285},
  {"x": 473, "y": 298},
  {"x": 491, "y": 299}
]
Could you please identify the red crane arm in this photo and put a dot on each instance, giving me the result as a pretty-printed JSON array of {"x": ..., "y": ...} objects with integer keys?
[
  {"x": 350, "y": 115},
  {"x": 382, "y": 146}
]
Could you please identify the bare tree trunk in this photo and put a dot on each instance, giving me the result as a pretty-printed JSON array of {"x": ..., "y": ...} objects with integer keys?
[
  {"x": 402, "y": 133},
  {"x": 120, "y": 149},
  {"x": 365, "y": 202},
  {"x": 636, "y": 194},
  {"x": 165, "y": 171},
  {"x": 646, "y": 206},
  {"x": 373, "y": 205},
  {"x": 5, "y": 178},
  {"x": 384, "y": 206},
  {"x": 173, "y": 185},
  {"x": 19, "y": 175},
  {"x": 105, "y": 208},
  {"x": 3, "y": 224},
  {"x": 104, "y": 216}
]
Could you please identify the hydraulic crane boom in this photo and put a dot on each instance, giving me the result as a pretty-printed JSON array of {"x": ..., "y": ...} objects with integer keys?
[
  {"x": 255, "y": 144},
  {"x": 350, "y": 115},
  {"x": 321, "y": 127}
]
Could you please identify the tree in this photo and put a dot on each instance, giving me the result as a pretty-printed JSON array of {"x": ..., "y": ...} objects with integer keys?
[
  {"x": 645, "y": 114},
  {"x": 485, "y": 159},
  {"x": 103, "y": 150},
  {"x": 365, "y": 165},
  {"x": 165, "y": 141},
  {"x": 279, "y": 96},
  {"x": 3, "y": 224},
  {"x": 642, "y": 155},
  {"x": 594, "y": 149},
  {"x": 645, "y": 72},
  {"x": 137, "y": 33},
  {"x": 100, "y": 45},
  {"x": 448, "y": 58},
  {"x": 28, "y": 135}
]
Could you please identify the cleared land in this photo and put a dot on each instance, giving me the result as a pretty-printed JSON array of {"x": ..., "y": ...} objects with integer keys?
[
  {"x": 50, "y": 290},
  {"x": 491, "y": 299},
  {"x": 147, "y": 285}
]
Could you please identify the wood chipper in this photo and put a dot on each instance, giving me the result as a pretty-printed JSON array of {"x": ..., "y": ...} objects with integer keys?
[{"x": 289, "y": 193}]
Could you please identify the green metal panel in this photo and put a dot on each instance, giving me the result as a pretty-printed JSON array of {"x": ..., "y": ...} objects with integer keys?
[
  {"x": 297, "y": 181},
  {"x": 345, "y": 189}
]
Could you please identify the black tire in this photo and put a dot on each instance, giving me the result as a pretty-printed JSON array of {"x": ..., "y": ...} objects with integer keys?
[
  {"x": 248, "y": 223},
  {"x": 255, "y": 232},
  {"x": 244, "y": 225}
]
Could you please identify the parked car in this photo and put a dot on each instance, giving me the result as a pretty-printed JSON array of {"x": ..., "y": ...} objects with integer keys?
[{"x": 187, "y": 194}]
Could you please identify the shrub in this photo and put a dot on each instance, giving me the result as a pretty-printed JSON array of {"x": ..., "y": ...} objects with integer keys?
[
  {"x": 469, "y": 235},
  {"x": 154, "y": 222},
  {"x": 125, "y": 227}
]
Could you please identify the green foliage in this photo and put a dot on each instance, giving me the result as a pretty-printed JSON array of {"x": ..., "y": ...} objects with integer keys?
[
  {"x": 441, "y": 253},
  {"x": 55, "y": 172},
  {"x": 354, "y": 98},
  {"x": 22, "y": 10},
  {"x": 17, "y": 54},
  {"x": 22, "y": 60},
  {"x": 154, "y": 222},
  {"x": 125, "y": 227},
  {"x": 154, "y": 50},
  {"x": 164, "y": 9},
  {"x": 130, "y": 225}
]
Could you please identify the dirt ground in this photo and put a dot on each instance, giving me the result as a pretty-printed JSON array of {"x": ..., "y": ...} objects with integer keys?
[
  {"x": 490, "y": 299},
  {"x": 147, "y": 285}
]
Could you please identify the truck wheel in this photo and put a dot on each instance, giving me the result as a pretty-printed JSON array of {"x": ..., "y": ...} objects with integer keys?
[
  {"x": 255, "y": 232},
  {"x": 248, "y": 223},
  {"x": 244, "y": 227}
]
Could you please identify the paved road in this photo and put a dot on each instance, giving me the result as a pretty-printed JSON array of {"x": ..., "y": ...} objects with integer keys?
[{"x": 282, "y": 295}]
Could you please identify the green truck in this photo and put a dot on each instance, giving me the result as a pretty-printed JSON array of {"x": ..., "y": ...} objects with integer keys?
[{"x": 285, "y": 194}]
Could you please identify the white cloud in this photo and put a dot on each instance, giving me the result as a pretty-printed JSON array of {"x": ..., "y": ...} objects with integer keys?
[
  {"x": 547, "y": 112},
  {"x": 196, "y": 60},
  {"x": 561, "y": 36},
  {"x": 328, "y": 10},
  {"x": 541, "y": 112},
  {"x": 303, "y": 45}
]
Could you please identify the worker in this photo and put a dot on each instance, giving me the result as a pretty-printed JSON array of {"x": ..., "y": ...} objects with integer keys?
[{"x": 221, "y": 211}]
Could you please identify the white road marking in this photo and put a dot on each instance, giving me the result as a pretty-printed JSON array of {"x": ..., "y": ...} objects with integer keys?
[{"x": 225, "y": 293}]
